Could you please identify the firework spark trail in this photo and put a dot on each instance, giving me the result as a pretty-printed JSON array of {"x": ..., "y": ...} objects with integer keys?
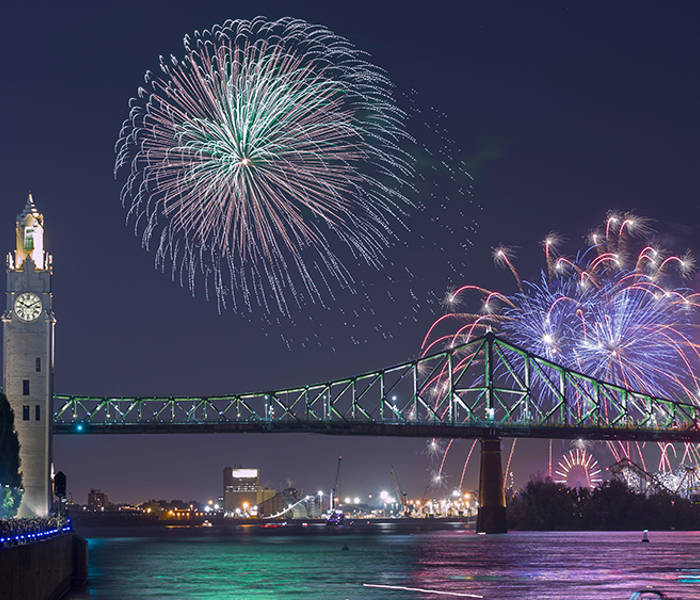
[
  {"x": 510, "y": 458},
  {"x": 609, "y": 312},
  {"x": 466, "y": 462},
  {"x": 252, "y": 154}
]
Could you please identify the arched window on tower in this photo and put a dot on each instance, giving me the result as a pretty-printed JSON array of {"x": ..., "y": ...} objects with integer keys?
[{"x": 29, "y": 239}]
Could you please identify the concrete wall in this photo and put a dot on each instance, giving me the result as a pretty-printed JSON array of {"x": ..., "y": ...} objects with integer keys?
[{"x": 43, "y": 570}]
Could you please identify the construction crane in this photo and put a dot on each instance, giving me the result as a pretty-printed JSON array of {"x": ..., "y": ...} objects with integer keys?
[
  {"x": 334, "y": 489},
  {"x": 402, "y": 496}
]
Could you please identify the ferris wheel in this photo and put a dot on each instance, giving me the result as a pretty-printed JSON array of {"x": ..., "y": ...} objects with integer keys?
[{"x": 578, "y": 468}]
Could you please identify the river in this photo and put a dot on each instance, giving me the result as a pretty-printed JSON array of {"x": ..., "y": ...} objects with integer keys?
[{"x": 289, "y": 565}]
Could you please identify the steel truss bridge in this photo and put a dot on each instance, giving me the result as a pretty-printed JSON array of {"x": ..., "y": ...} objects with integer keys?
[{"x": 484, "y": 388}]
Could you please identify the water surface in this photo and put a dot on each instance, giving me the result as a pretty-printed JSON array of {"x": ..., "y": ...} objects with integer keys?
[{"x": 218, "y": 564}]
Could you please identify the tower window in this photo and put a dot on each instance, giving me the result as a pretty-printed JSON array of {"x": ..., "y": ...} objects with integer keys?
[
  {"x": 37, "y": 412},
  {"x": 25, "y": 387},
  {"x": 25, "y": 412},
  {"x": 29, "y": 239},
  {"x": 38, "y": 364}
]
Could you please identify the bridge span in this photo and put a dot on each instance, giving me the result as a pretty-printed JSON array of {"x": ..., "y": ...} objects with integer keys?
[{"x": 485, "y": 388}]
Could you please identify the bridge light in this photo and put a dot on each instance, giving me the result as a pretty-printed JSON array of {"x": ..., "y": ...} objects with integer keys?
[{"x": 79, "y": 427}]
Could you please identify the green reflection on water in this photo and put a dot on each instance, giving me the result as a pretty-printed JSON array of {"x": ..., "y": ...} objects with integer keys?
[{"x": 259, "y": 569}]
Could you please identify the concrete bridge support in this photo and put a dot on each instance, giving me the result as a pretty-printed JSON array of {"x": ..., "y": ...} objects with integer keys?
[{"x": 492, "y": 499}]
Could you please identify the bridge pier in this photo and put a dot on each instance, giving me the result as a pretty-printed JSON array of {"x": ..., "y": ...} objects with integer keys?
[{"x": 492, "y": 498}]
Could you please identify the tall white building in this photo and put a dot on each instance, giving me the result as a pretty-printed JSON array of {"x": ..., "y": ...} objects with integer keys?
[{"x": 28, "y": 356}]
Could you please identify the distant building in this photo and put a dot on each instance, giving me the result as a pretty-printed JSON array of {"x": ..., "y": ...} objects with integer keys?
[
  {"x": 97, "y": 500},
  {"x": 244, "y": 496}
]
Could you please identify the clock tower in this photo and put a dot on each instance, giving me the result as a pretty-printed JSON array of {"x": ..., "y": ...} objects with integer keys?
[{"x": 28, "y": 351}]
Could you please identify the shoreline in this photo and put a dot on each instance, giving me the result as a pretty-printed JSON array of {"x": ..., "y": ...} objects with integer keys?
[{"x": 96, "y": 527}]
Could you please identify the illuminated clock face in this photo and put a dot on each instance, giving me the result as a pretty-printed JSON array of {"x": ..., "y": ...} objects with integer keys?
[{"x": 28, "y": 306}]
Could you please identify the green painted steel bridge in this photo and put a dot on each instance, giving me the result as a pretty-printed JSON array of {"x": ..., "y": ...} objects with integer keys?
[{"x": 485, "y": 388}]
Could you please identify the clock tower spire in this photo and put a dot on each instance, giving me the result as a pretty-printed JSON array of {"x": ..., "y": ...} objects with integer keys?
[
  {"x": 30, "y": 235},
  {"x": 28, "y": 352}
]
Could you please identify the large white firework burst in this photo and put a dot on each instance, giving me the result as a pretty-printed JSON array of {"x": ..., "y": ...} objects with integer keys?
[{"x": 263, "y": 161}]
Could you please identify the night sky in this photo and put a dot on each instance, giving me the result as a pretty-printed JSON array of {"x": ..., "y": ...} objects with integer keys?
[{"x": 561, "y": 111}]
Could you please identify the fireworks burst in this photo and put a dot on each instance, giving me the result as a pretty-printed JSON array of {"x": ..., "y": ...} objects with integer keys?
[
  {"x": 255, "y": 153},
  {"x": 615, "y": 312},
  {"x": 610, "y": 313}
]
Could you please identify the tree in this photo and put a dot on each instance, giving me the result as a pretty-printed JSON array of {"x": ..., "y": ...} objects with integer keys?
[
  {"x": 544, "y": 505},
  {"x": 10, "y": 475}
]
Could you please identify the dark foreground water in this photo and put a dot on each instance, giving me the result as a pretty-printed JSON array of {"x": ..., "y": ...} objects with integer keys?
[{"x": 445, "y": 564}]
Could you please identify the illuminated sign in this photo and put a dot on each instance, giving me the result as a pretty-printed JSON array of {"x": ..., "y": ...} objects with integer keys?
[{"x": 244, "y": 473}]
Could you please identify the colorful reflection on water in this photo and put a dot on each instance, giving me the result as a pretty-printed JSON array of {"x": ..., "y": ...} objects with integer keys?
[{"x": 427, "y": 565}]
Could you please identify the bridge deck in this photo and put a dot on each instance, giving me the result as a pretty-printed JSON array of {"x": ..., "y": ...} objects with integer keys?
[{"x": 383, "y": 429}]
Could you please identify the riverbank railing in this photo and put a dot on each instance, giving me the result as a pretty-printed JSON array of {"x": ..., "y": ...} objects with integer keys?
[{"x": 14, "y": 532}]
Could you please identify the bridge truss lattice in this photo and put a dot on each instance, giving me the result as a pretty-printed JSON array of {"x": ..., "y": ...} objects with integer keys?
[{"x": 484, "y": 387}]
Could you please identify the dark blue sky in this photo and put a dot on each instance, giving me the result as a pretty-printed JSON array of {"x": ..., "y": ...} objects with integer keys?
[{"x": 563, "y": 111}]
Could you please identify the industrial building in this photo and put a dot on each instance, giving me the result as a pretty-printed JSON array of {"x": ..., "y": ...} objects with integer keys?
[{"x": 244, "y": 496}]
